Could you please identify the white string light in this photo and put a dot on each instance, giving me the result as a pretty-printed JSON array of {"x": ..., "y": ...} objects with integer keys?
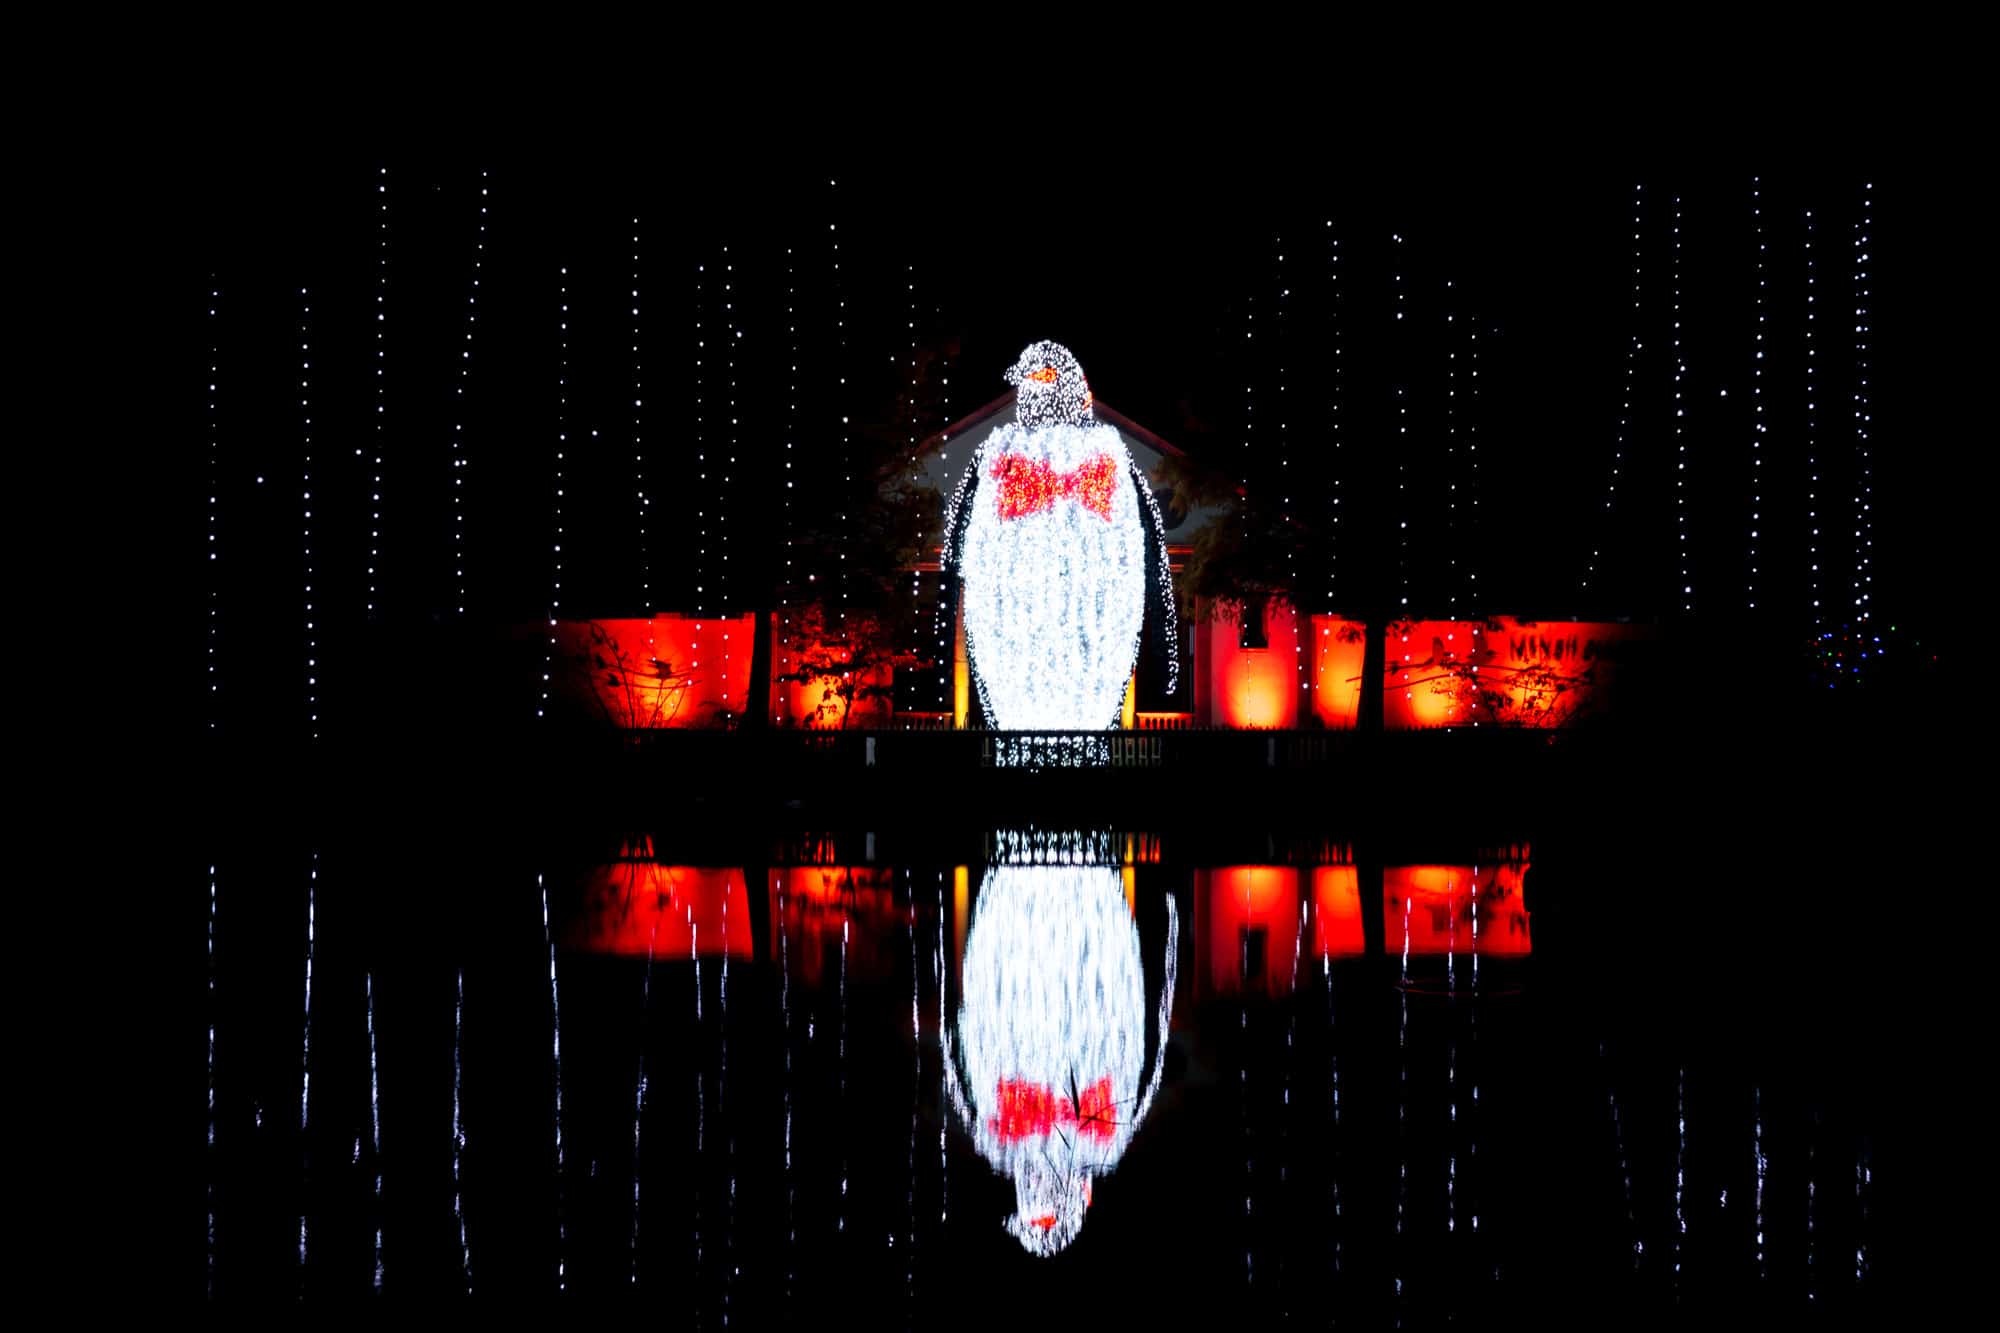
[
  {"x": 562, "y": 446},
  {"x": 1757, "y": 394},
  {"x": 1472, "y": 478},
  {"x": 640, "y": 497},
  {"x": 458, "y": 459},
  {"x": 1680, "y": 423},
  {"x": 701, "y": 462},
  {"x": 1864, "y": 541},
  {"x": 916, "y": 566},
  {"x": 1402, "y": 453},
  {"x": 1632, "y": 347},
  {"x": 791, "y": 431},
  {"x": 840, "y": 405},
  {"x": 214, "y": 513},
  {"x": 305, "y": 1050},
  {"x": 1333, "y": 547},
  {"x": 1812, "y": 439},
  {"x": 381, "y": 389},
  {"x": 731, "y": 335},
  {"x": 943, "y": 614},
  {"x": 305, "y": 409},
  {"x": 1452, "y": 538}
]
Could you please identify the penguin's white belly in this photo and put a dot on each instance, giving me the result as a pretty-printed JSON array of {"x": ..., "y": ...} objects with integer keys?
[
  {"x": 1054, "y": 597},
  {"x": 1053, "y": 999}
]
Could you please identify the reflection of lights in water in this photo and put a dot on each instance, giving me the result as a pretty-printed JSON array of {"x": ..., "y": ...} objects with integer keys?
[
  {"x": 458, "y": 1132},
  {"x": 1053, "y": 1030},
  {"x": 1680, "y": 1170},
  {"x": 1757, "y": 1149},
  {"x": 305, "y": 1057},
  {"x": 375, "y": 1128},
  {"x": 639, "y": 1097},
  {"x": 555, "y": 1016},
  {"x": 211, "y": 1081}
]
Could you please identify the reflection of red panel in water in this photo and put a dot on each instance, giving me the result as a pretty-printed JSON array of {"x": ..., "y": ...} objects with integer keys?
[
  {"x": 1337, "y": 930},
  {"x": 1435, "y": 905},
  {"x": 819, "y": 903},
  {"x": 627, "y": 902},
  {"x": 1252, "y": 924}
]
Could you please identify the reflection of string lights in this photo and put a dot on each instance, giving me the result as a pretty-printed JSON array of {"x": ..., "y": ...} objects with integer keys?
[{"x": 1052, "y": 1025}]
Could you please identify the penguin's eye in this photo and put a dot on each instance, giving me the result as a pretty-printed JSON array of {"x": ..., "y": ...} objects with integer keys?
[{"x": 1046, "y": 375}]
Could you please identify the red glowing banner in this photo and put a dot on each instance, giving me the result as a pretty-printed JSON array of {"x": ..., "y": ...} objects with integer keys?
[
  {"x": 1338, "y": 649},
  {"x": 827, "y": 912},
  {"x": 1502, "y": 672},
  {"x": 664, "y": 672},
  {"x": 630, "y": 907},
  {"x": 1246, "y": 928},
  {"x": 1336, "y": 914},
  {"x": 1431, "y": 910},
  {"x": 1250, "y": 687}
]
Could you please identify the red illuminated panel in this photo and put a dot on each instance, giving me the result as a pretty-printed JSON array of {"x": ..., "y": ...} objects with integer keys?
[
  {"x": 1503, "y": 672},
  {"x": 1431, "y": 908},
  {"x": 816, "y": 905},
  {"x": 664, "y": 672},
  {"x": 1254, "y": 687},
  {"x": 1252, "y": 924},
  {"x": 630, "y": 906},
  {"x": 816, "y": 704},
  {"x": 1339, "y": 647},
  {"x": 1337, "y": 930}
]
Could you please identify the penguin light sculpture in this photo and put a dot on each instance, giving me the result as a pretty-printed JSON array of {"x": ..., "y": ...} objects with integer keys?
[
  {"x": 1052, "y": 1026},
  {"x": 1050, "y": 548}
]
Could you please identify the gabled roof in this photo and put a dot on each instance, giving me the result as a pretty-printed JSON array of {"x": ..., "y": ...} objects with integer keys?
[{"x": 949, "y": 452}]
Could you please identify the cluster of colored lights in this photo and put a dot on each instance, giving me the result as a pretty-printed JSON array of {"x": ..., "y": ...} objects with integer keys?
[{"x": 1028, "y": 486}]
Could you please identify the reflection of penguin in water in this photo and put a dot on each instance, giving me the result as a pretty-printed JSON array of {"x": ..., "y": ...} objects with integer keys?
[
  {"x": 1057, "y": 547},
  {"x": 1052, "y": 1024}
]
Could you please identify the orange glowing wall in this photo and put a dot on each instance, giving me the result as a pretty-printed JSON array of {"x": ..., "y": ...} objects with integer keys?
[
  {"x": 1252, "y": 687},
  {"x": 1336, "y": 918},
  {"x": 1338, "y": 649},
  {"x": 705, "y": 672},
  {"x": 815, "y": 905},
  {"x": 1250, "y": 916},
  {"x": 814, "y": 703},
  {"x": 1503, "y": 672},
  {"x": 632, "y": 906},
  {"x": 1432, "y": 907}
]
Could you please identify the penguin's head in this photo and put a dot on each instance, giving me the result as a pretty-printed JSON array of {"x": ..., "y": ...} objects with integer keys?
[{"x": 1049, "y": 387}]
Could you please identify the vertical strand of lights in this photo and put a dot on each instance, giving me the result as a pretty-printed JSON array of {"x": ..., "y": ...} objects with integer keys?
[
  {"x": 305, "y": 411},
  {"x": 1812, "y": 440},
  {"x": 1285, "y": 457},
  {"x": 1452, "y": 537},
  {"x": 555, "y": 1017},
  {"x": 1632, "y": 347},
  {"x": 458, "y": 1131},
  {"x": 1471, "y": 543},
  {"x": 785, "y": 532},
  {"x": 639, "y": 1096},
  {"x": 214, "y": 513},
  {"x": 916, "y": 565},
  {"x": 1402, "y": 453},
  {"x": 1863, "y": 478},
  {"x": 840, "y": 406},
  {"x": 942, "y": 618},
  {"x": 305, "y": 1068},
  {"x": 1680, "y": 425},
  {"x": 1249, "y": 411},
  {"x": 701, "y": 460},
  {"x": 640, "y": 499},
  {"x": 1333, "y": 417},
  {"x": 381, "y": 388},
  {"x": 213, "y": 1163},
  {"x": 458, "y": 453},
  {"x": 731, "y": 334},
  {"x": 375, "y": 1126},
  {"x": 1762, "y": 1164},
  {"x": 1756, "y": 394},
  {"x": 562, "y": 447}
]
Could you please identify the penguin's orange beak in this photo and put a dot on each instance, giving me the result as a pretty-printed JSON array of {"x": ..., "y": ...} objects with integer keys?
[{"x": 1046, "y": 375}]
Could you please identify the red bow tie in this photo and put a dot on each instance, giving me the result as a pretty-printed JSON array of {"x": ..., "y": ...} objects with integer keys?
[
  {"x": 1024, "y": 1110},
  {"x": 1030, "y": 486}
]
